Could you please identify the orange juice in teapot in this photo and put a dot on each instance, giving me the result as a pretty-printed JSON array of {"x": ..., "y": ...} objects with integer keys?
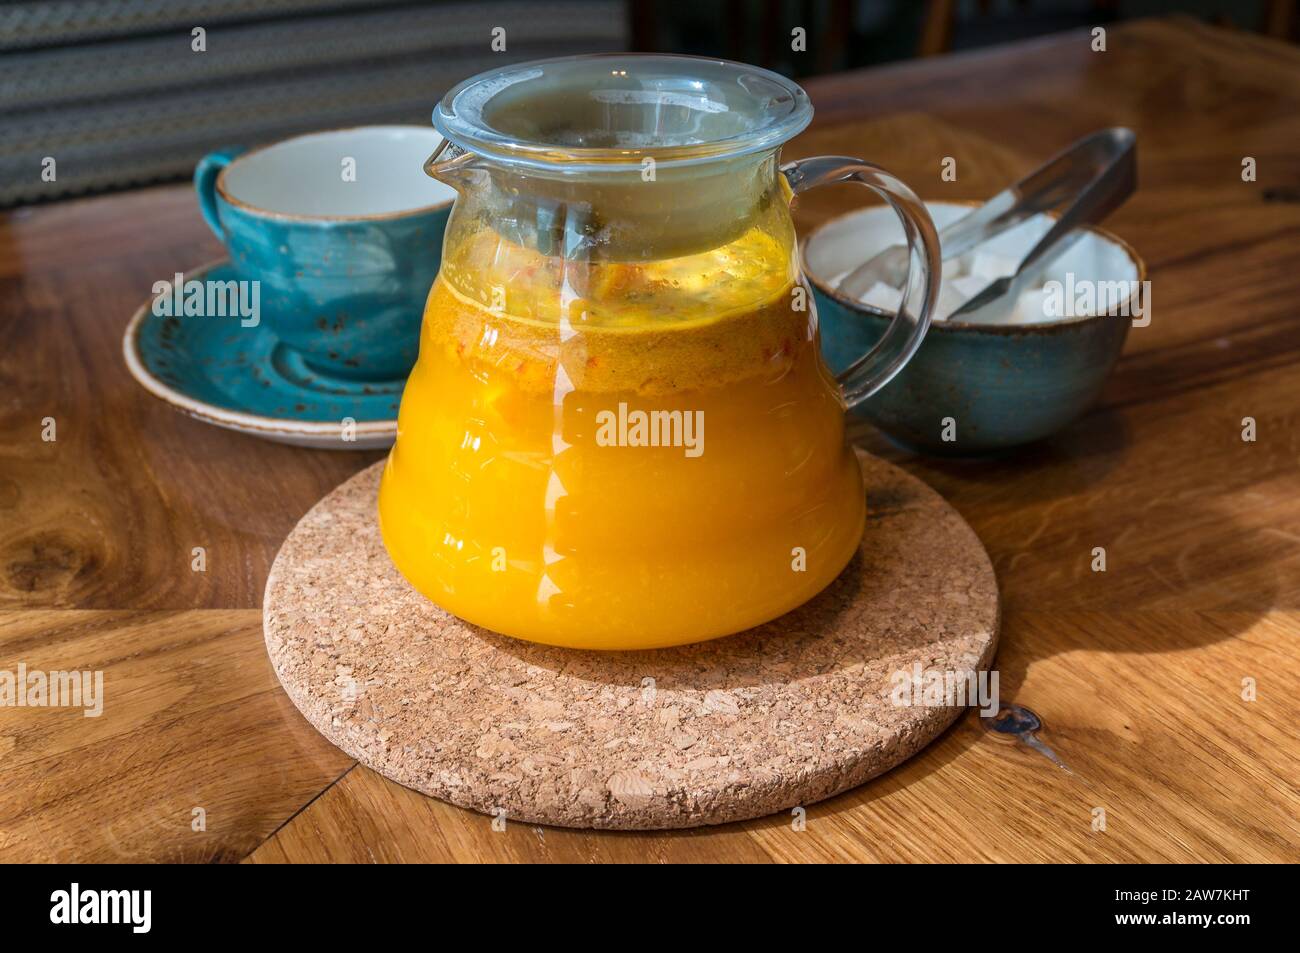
[{"x": 620, "y": 433}]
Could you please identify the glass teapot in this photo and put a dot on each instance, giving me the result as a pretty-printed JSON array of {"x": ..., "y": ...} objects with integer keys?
[{"x": 620, "y": 433}]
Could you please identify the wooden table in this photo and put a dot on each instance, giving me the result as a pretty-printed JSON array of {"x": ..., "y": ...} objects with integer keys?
[{"x": 1137, "y": 672}]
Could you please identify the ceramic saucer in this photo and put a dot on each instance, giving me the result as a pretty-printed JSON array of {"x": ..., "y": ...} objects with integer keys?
[{"x": 244, "y": 379}]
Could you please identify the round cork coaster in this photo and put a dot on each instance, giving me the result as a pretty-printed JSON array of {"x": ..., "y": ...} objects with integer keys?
[{"x": 785, "y": 714}]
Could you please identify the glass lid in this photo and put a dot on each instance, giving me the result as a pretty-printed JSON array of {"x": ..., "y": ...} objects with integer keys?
[{"x": 609, "y": 111}]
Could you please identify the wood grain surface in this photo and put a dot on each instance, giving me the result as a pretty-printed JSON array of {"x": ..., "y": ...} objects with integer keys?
[{"x": 1137, "y": 672}]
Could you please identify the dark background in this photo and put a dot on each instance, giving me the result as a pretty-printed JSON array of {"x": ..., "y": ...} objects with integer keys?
[{"x": 113, "y": 90}]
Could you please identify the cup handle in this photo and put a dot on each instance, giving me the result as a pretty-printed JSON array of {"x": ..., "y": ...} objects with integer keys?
[
  {"x": 205, "y": 184},
  {"x": 878, "y": 366}
]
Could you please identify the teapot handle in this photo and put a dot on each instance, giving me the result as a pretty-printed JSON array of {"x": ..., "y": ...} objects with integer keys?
[{"x": 901, "y": 339}]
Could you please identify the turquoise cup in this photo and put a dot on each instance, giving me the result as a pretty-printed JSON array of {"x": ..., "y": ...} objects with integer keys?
[{"x": 342, "y": 231}]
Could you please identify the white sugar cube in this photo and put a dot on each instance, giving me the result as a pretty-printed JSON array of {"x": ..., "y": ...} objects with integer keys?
[
  {"x": 950, "y": 299},
  {"x": 991, "y": 265},
  {"x": 883, "y": 297},
  {"x": 970, "y": 285},
  {"x": 1031, "y": 307},
  {"x": 997, "y": 314},
  {"x": 956, "y": 292},
  {"x": 1026, "y": 308}
]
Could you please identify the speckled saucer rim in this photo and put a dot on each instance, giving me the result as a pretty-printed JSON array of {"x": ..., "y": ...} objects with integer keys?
[{"x": 256, "y": 424}]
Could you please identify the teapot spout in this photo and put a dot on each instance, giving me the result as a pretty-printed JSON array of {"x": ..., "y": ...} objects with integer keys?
[{"x": 450, "y": 164}]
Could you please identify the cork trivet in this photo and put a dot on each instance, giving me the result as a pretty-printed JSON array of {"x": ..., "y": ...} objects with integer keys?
[{"x": 786, "y": 714}]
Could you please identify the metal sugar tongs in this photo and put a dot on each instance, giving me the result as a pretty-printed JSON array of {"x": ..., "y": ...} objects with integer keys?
[{"x": 1082, "y": 184}]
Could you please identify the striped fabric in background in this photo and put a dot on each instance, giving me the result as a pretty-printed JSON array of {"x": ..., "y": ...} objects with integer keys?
[{"x": 114, "y": 92}]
